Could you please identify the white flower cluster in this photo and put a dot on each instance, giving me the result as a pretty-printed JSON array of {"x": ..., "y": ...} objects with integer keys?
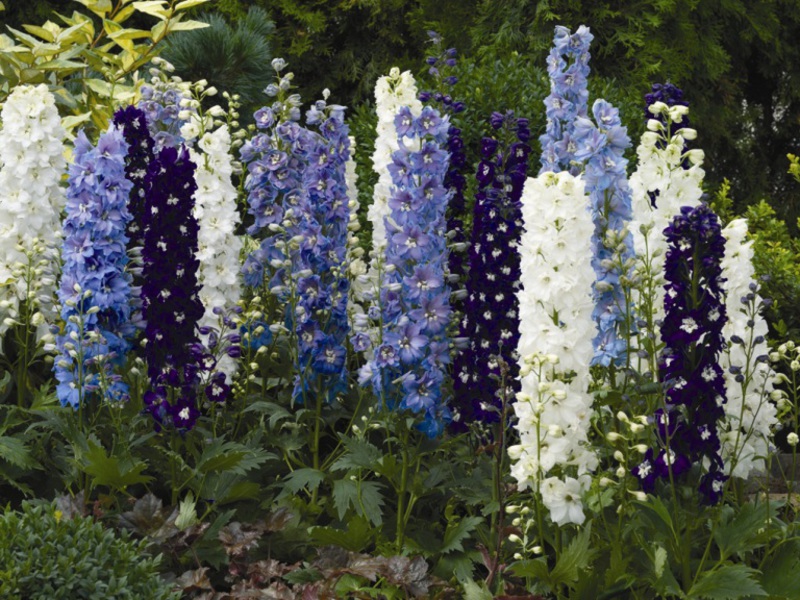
[
  {"x": 218, "y": 246},
  {"x": 660, "y": 171},
  {"x": 32, "y": 164},
  {"x": 391, "y": 92},
  {"x": 553, "y": 407},
  {"x": 746, "y": 430}
]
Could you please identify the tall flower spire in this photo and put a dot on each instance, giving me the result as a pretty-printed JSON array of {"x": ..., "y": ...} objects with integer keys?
[
  {"x": 689, "y": 364},
  {"x": 491, "y": 318},
  {"x": 554, "y": 407},
  {"x": 414, "y": 296},
  {"x": 31, "y": 166},
  {"x": 568, "y": 67},
  {"x": 95, "y": 287},
  {"x": 601, "y": 145}
]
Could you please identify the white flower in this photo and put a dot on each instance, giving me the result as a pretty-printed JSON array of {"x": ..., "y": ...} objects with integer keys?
[
  {"x": 556, "y": 278},
  {"x": 31, "y": 198},
  {"x": 750, "y": 416},
  {"x": 660, "y": 172},
  {"x": 215, "y": 210},
  {"x": 563, "y": 500}
]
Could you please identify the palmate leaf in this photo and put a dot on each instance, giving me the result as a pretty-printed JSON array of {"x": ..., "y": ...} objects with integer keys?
[
  {"x": 357, "y": 537},
  {"x": 237, "y": 458},
  {"x": 359, "y": 454},
  {"x": 781, "y": 578},
  {"x": 112, "y": 471},
  {"x": 299, "y": 479},
  {"x": 727, "y": 583},
  {"x": 741, "y": 533},
  {"x": 14, "y": 451},
  {"x": 364, "y": 497},
  {"x": 456, "y": 533}
]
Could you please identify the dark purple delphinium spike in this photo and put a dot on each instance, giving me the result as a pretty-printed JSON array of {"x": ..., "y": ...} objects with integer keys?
[
  {"x": 442, "y": 64},
  {"x": 689, "y": 363},
  {"x": 490, "y": 321},
  {"x": 171, "y": 305},
  {"x": 133, "y": 122}
]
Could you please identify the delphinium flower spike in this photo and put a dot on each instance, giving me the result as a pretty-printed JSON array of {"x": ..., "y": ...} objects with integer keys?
[
  {"x": 441, "y": 66},
  {"x": 568, "y": 67},
  {"x": 171, "y": 305},
  {"x": 491, "y": 321},
  {"x": 31, "y": 166},
  {"x": 668, "y": 177},
  {"x": 601, "y": 145},
  {"x": 407, "y": 371},
  {"x": 750, "y": 416},
  {"x": 694, "y": 396},
  {"x": 320, "y": 260},
  {"x": 95, "y": 287},
  {"x": 554, "y": 407}
]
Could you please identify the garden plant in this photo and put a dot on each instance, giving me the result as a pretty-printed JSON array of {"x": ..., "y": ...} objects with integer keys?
[{"x": 490, "y": 333}]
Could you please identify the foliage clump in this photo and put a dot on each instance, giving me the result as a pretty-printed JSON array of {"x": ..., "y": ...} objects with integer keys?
[{"x": 44, "y": 555}]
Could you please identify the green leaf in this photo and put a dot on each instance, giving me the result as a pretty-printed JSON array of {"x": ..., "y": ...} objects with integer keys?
[
  {"x": 345, "y": 495},
  {"x": 573, "y": 559},
  {"x": 371, "y": 501},
  {"x": 112, "y": 471},
  {"x": 187, "y": 516},
  {"x": 741, "y": 533},
  {"x": 360, "y": 454},
  {"x": 15, "y": 452},
  {"x": 73, "y": 121},
  {"x": 476, "y": 591},
  {"x": 299, "y": 479},
  {"x": 184, "y": 4},
  {"x": 535, "y": 569},
  {"x": 355, "y": 539},
  {"x": 456, "y": 533},
  {"x": 727, "y": 583},
  {"x": 781, "y": 573}
]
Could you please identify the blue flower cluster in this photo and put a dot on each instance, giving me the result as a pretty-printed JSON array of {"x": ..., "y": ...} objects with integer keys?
[
  {"x": 319, "y": 263},
  {"x": 444, "y": 61},
  {"x": 171, "y": 306},
  {"x": 407, "y": 371},
  {"x": 601, "y": 147},
  {"x": 692, "y": 333},
  {"x": 491, "y": 318},
  {"x": 568, "y": 67},
  {"x": 161, "y": 104},
  {"x": 95, "y": 288},
  {"x": 276, "y": 159}
]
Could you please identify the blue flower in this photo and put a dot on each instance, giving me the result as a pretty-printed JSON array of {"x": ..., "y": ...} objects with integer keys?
[
  {"x": 568, "y": 67},
  {"x": 95, "y": 290},
  {"x": 414, "y": 299}
]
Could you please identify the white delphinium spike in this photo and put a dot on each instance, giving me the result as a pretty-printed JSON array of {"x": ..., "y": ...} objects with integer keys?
[
  {"x": 556, "y": 329},
  {"x": 218, "y": 245},
  {"x": 746, "y": 430},
  {"x": 32, "y": 164},
  {"x": 661, "y": 174},
  {"x": 391, "y": 92}
]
